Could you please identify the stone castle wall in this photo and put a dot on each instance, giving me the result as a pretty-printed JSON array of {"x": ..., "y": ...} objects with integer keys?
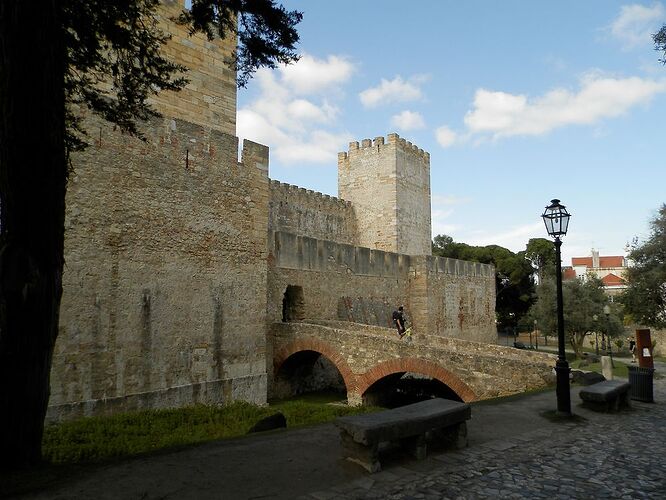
[
  {"x": 388, "y": 183},
  {"x": 178, "y": 255},
  {"x": 165, "y": 274},
  {"x": 337, "y": 281},
  {"x": 308, "y": 213},
  {"x": 444, "y": 297},
  {"x": 460, "y": 298}
]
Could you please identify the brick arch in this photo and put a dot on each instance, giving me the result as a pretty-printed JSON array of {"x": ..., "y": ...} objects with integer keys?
[
  {"x": 324, "y": 348},
  {"x": 415, "y": 365}
]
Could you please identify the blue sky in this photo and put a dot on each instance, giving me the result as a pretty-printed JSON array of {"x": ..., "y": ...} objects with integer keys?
[{"x": 517, "y": 102}]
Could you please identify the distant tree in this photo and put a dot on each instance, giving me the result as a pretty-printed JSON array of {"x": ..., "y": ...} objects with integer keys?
[
  {"x": 541, "y": 253},
  {"x": 513, "y": 275},
  {"x": 645, "y": 296},
  {"x": 660, "y": 42},
  {"x": 441, "y": 245},
  {"x": 584, "y": 300},
  {"x": 55, "y": 56},
  {"x": 444, "y": 246},
  {"x": 544, "y": 309}
]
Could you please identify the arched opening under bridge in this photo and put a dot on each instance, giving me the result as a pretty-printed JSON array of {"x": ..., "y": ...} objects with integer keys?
[
  {"x": 308, "y": 372},
  {"x": 403, "y": 388}
]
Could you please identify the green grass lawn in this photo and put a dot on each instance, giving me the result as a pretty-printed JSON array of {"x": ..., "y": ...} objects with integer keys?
[{"x": 103, "y": 438}]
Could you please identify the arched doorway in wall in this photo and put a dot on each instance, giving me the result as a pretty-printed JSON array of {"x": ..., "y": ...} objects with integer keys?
[
  {"x": 293, "y": 305},
  {"x": 403, "y": 388},
  {"x": 308, "y": 372}
]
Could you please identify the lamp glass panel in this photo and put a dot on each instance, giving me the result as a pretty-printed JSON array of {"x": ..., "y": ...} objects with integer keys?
[{"x": 565, "y": 223}]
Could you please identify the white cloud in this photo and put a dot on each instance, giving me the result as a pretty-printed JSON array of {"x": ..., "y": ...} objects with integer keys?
[
  {"x": 501, "y": 114},
  {"x": 302, "y": 109},
  {"x": 319, "y": 147},
  {"x": 258, "y": 128},
  {"x": 408, "y": 120},
  {"x": 445, "y": 136},
  {"x": 297, "y": 128},
  {"x": 391, "y": 91},
  {"x": 311, "y": 75},
  {"x": 636, "y": 23}
]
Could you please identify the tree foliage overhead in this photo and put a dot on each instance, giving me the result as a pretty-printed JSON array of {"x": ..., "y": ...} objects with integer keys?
[
  {"x": 114, "y": 62},
  {"x": 660, "y": 43},
  {"x": 645, "y": 296},
  {"x": 263, "y": 40},
  {"x": 57, "y": 56},
  {"x": 513, "y": 275}
]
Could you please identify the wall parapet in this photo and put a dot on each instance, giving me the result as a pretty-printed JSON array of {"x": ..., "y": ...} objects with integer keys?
[
  {"x": 447, "y": 265},
  {"x": 289, "y": 191},
  {"x": 292, "y": 251},
  {"x": 311, "y": 254}
]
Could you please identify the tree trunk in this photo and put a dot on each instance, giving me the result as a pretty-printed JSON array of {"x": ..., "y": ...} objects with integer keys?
[{"x": 33, "y": 176}]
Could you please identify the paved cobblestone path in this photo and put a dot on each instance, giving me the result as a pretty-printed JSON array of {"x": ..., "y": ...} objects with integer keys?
[
  {"x": 601, "y": 455},
  {"x": 514, "y": 452}
]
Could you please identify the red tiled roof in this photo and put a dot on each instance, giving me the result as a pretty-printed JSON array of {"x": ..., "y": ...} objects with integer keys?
[
  {"x": 611, "y": 261},
  {"x": 612, "y": 280},
  {"x": 608, "y": 261}
]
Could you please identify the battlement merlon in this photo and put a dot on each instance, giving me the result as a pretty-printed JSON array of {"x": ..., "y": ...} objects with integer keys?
[
  {"x": 393, "y": 140},
  {"x": 255, "y": 155},
  {"x": 293, "y": 192}
]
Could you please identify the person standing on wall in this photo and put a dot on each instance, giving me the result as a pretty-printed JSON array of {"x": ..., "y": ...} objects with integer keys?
[{"x": 399, "y": 321}]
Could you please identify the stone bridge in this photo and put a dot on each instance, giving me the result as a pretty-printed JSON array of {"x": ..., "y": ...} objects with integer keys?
[{"x": 364, "y": 355}]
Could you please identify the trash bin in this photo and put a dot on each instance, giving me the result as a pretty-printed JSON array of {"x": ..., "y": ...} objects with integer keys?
[{"x": 641, "y": 383}]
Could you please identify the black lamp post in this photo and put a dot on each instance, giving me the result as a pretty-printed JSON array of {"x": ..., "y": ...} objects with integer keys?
[
  {"x": 556, "y": 219},
  {"x": 607, "y": 312}
]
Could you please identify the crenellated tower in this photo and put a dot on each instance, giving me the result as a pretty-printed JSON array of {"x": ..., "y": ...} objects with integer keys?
[{"x": 388, "y": 183}]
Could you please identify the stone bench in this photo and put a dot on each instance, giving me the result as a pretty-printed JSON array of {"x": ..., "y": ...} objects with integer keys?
[
  {"x": 608, "y": 395},
  {"x": 411, "y": 426}
]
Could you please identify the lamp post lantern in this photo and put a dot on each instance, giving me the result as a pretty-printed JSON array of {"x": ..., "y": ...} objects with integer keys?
[{"x": 556, "y": 219}]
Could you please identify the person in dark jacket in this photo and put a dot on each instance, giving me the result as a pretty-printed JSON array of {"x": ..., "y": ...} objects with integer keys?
[{"x": 399, "y": 321}]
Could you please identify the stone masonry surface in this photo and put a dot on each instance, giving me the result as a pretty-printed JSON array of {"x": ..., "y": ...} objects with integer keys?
[
  {"x": 165, "y": 270},
  {"x": 388, "y": 182},
  {"x": 365, "y": 354},
  {"x": 443, "y": 296},
  {"x": 304, "y": 212},
  {"x": 210, "y": 96}
]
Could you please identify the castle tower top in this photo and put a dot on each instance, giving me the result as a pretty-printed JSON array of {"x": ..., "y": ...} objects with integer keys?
[
  {"x": 388, "y": 182},
  {"x": 209, "y": 99}
]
